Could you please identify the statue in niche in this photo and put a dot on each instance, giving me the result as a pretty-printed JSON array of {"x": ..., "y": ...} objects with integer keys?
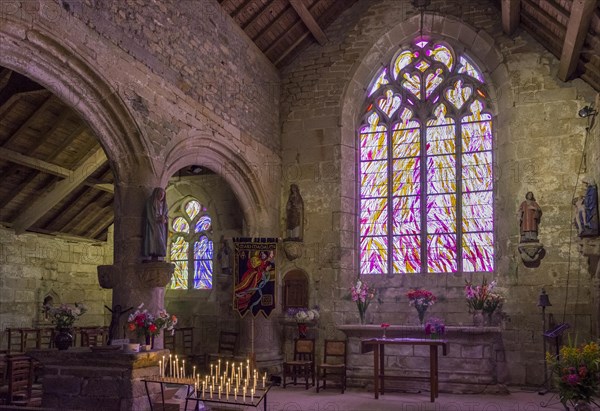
[
  {"x": 155, "y": 230},
  {"x": 587, "y": 209},
  {"x": 530, "y": 215},
  {"x": 224, "y": 256},
  {"x": 294, "y": 211}
]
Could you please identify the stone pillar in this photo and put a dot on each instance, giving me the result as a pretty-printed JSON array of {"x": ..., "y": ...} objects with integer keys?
[{"x": 134, "y": 282}]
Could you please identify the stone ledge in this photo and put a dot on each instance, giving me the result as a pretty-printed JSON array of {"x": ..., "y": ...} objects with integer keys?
[{"x": 395, "y": 330}]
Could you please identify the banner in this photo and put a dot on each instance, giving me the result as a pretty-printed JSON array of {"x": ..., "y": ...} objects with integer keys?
[{"x": 254, "y": 275}]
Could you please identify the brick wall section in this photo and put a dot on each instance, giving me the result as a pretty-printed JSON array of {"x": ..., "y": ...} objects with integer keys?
[
  {"x": 197, "y": 48},
  {"x": 31, "y": 266},
  {"x": 538, "y": 143}
]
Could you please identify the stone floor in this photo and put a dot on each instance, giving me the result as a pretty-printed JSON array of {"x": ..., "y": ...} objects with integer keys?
[{"x": 299, "y": 399}]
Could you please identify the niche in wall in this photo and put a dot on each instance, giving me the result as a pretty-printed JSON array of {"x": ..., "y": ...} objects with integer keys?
[{"x": 295, "y": 289}]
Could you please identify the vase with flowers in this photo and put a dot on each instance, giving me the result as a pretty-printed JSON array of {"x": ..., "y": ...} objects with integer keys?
[
  {"x": 421, "y": 300},
  {"x": 303, "y": 316},
  {"x": 148, "y": 325},
  {"x": 435, "y": 328},
  {"x": 577, "y": 373},
  {"x": 385, "y": 326},
  {"x": 64, "y": 316},
  {"x": 362, "y": 294},
  {"x": 481, "y": 300}
]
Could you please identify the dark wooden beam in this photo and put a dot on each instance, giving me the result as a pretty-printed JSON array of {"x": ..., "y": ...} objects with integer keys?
[
  {"x": 265, "y": 10},
  {"x": 291, "y": 48},
  {"x": 510, "y": 15},
  {"x": 545, "y": 19},
  {"x": 258, "y": 37},
  {"x": 309, "y": 21},
  {"x": 240, "y": 8},
  {"x": 558, "y": 9},
  {"x": 577, "y": 29},
  {"x": 41, "y": 108},
  {"x": 36, "y": 164}
]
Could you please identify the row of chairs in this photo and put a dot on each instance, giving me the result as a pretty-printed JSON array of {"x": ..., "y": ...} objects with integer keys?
[
  {"x": 19, "y": 340},
  {"x": 333, "y": 366},
  {"x": 181, "y": 342}
]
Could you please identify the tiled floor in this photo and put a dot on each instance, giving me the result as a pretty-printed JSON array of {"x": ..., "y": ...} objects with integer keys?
[{"x": 298, "y": 399}]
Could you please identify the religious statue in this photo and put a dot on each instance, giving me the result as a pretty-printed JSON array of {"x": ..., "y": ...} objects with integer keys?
[
  {"x": 530, "y": 215},
  {"x": 155, "y": 230},
  {"x": 224, "y": 256},
  {"x": 587, "y": 211},
  {"x": 294, "y": 211},
  {"x": 113, "y": 329}
]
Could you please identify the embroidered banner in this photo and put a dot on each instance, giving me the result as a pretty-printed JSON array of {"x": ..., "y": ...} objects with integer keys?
[{"x": 254, "y": 275}]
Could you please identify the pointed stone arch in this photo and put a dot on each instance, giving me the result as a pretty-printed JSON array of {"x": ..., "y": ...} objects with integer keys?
[{"x": 37, "y": 54}]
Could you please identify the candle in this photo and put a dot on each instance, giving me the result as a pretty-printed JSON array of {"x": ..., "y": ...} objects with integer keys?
[
  {"x": 203, "y": 384},
  {"x": 252, "y": 395},
  {"x": 244, "y": 391},
  {"x": 219, "y": 368},
  {"x": 264, "y": 381},
  {"x": 170, "y": 366},
  {"x": 211, "y": 370},
  {"x": 183, "y": 369},
  {"x": 226, "y": 367},
  {"x": 235, "y": 393},
  {"x": 211, "y": 388}
]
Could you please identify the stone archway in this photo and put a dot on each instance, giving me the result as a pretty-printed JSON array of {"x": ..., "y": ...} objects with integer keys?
[{"x": 35, "y": 53}]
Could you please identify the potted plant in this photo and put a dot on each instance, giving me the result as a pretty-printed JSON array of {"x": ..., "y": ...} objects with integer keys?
[
  {"x": 64, "y": 316},
  {"x": 147, "y": 325}
]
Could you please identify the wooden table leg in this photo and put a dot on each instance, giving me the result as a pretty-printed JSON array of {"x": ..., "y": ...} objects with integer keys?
[
  {"x": 376, "y": 370},
  {"x": 382, "y": 368},
  {"x": 433, "y": 371}
]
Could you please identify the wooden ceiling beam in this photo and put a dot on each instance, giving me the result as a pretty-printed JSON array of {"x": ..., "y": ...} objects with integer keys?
[
  {"x": 61, "y": 189},
  {"x": 42, "y": 107},
  {"x": 272, "y": 23},
  {"x": 558, "y": 9},
  {"x": 577, "y": 29},
  {"x": 291, "y": 48},
  {"x": 545, "y": 19},
  {"x": 36, "y": 164},
  {"x": 106, "y": 222},
  {"x": 541, "y": 34},
  {"x": 240, "y": 8},
  {"x": 511, "y": 10},
  {"x": 309, "y": 21},
  {"x": 258, "y": 16}
]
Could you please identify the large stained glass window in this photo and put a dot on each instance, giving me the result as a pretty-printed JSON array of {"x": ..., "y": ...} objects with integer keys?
[
  {"x": 426, "y": 203},
  {"x": 191, "y": 249}
]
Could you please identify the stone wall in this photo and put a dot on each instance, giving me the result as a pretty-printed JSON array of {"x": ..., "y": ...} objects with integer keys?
[
  {"x": 33, "y": 266},
  {"x": 538, "y": 147}
]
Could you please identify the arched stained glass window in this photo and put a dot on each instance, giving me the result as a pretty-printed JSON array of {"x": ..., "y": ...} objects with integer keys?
[
  {"x": 425, "y": 165},
  {"x": 191, "y": 248}
]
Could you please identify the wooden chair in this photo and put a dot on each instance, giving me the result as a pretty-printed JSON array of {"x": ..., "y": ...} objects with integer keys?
[
  {"x": 334, "y": 363},
  {"x": 303, "y": 364},
  {"x": 227, "y": 347},
  {"x": 19, "y": 379},
  {"x": 93, "y": 337}
]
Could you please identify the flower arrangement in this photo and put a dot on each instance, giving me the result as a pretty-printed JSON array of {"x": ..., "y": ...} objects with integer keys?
[
  {"x": 435, "y": 327},
  {"x": 65, "y": 314},
  {"x": 362, "y": 294},
  {"x": 482, "y": 297},
  {"x": 144, "y": 323},
  {"x": 421, "y": 300},
  {"x": 303, "y": 315},
  {"x": 577, "y": 371}
]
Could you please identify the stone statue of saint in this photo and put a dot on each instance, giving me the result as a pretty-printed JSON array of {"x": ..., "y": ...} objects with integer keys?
[
  {"x": 294, "y": 211},
  {"x": 155, "y": 230},
  {"x": 530, "y": 215},
  {"x": 224, "y": 256},
  {"x": 590, "y": 204}
]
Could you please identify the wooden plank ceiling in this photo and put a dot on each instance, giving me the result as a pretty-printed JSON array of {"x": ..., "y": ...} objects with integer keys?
[{"x": 55, "y": 178}]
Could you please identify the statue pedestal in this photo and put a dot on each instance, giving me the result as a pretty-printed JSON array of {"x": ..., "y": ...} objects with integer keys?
[
  {"x": 79, "y": 379},
  {"x": 531, "y": 253}
]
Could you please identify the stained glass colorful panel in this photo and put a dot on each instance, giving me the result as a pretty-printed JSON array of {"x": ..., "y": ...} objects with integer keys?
[
  {"x": 373, "y": 217},
  {"x": 477, "y": 115},
  {"x": 373, "y": 255},
  {"x": 382, "y": 79},
  {"x": 390, "y": 103},
  {"x": 432, "y": 80},
  {"x": 407, "y": 215},
  {"x": 407, "y": 254},
  {"x": 477, "y": 212},
  {"x": 478, "y": 252},
  {"x": 407, "y": 143},
  {"x": 407, "y": 176},
  {"x": 180, "y": 275},
  {"x": 374, "y": 179},
  {"x": 476, "y": 136},
  {"x": 413, "y": 84},
  {"x": 469, "y": 69},
  {"x": 441, "y": 253},
  {"x": 441, "y": 213},
  {"x": 441, "y": 174},
  {"x": 458, "y": 95},
  {"x": 203, "y": 224},
  {"x": 403, "y": 60},
  {"x": 442, "y": 54},
  {"x": 477, "y": 171},
  {"x": 422, "y": 66},
  {"x": 192, "y": 208},
  {"x": 180, "y": 225},
  {"x": 179, "y": 249},
  {"x": 203, "y": 274},
  {"x": 440, "y": 140}
]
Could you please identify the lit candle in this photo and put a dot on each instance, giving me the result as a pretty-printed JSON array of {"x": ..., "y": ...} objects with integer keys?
[
  {"x": 227, "y": 392},
  {"x": 219, "y": 368},
  {"x": 252, "y": 395},
  {"x": 170, "y": 366},
  {"x": 211, "y": 370},
  {"x": 226, "y": 367},
  {"x": 193, "y": 371},
  {"x": 235, "y": 393},
  {"x": 203, "y": 384},
  {"x": 264, "y": 380},
  {"x": 159, "y": 368},
  {"x": 183, "y": 369},
  {"x": 244, "y": 391},
  {"x": 219, "y": 392}
]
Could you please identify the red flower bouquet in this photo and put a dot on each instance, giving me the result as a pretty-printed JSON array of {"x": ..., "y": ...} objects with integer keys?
[{"x": 421, "y": 300}]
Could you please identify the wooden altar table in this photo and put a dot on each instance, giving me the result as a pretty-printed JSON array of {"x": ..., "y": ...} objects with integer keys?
[{"x": 377, "y": 345}]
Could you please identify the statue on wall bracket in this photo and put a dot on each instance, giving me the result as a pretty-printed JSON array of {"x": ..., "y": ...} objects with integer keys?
[
  {"x": 294, "y": 224},
  {"x": 530, "y": 216},
  {"x": 586, "y": 210}
]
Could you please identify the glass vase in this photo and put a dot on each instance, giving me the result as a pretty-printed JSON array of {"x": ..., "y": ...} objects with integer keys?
[
  {"x": 421, "y": 314},
  {"x": 362, "y": 317},
  {"x": 478, "y": 318}
]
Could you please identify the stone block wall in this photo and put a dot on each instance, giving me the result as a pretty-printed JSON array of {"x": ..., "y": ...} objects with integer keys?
[
  {"x": 538, "y": 147},
  {"x": 33, "y": 266}
]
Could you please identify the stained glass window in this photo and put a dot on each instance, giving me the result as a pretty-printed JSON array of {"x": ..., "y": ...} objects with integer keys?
[
  {"x": 425, "y": 163},
  {"x": 191, "y": 249}
]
